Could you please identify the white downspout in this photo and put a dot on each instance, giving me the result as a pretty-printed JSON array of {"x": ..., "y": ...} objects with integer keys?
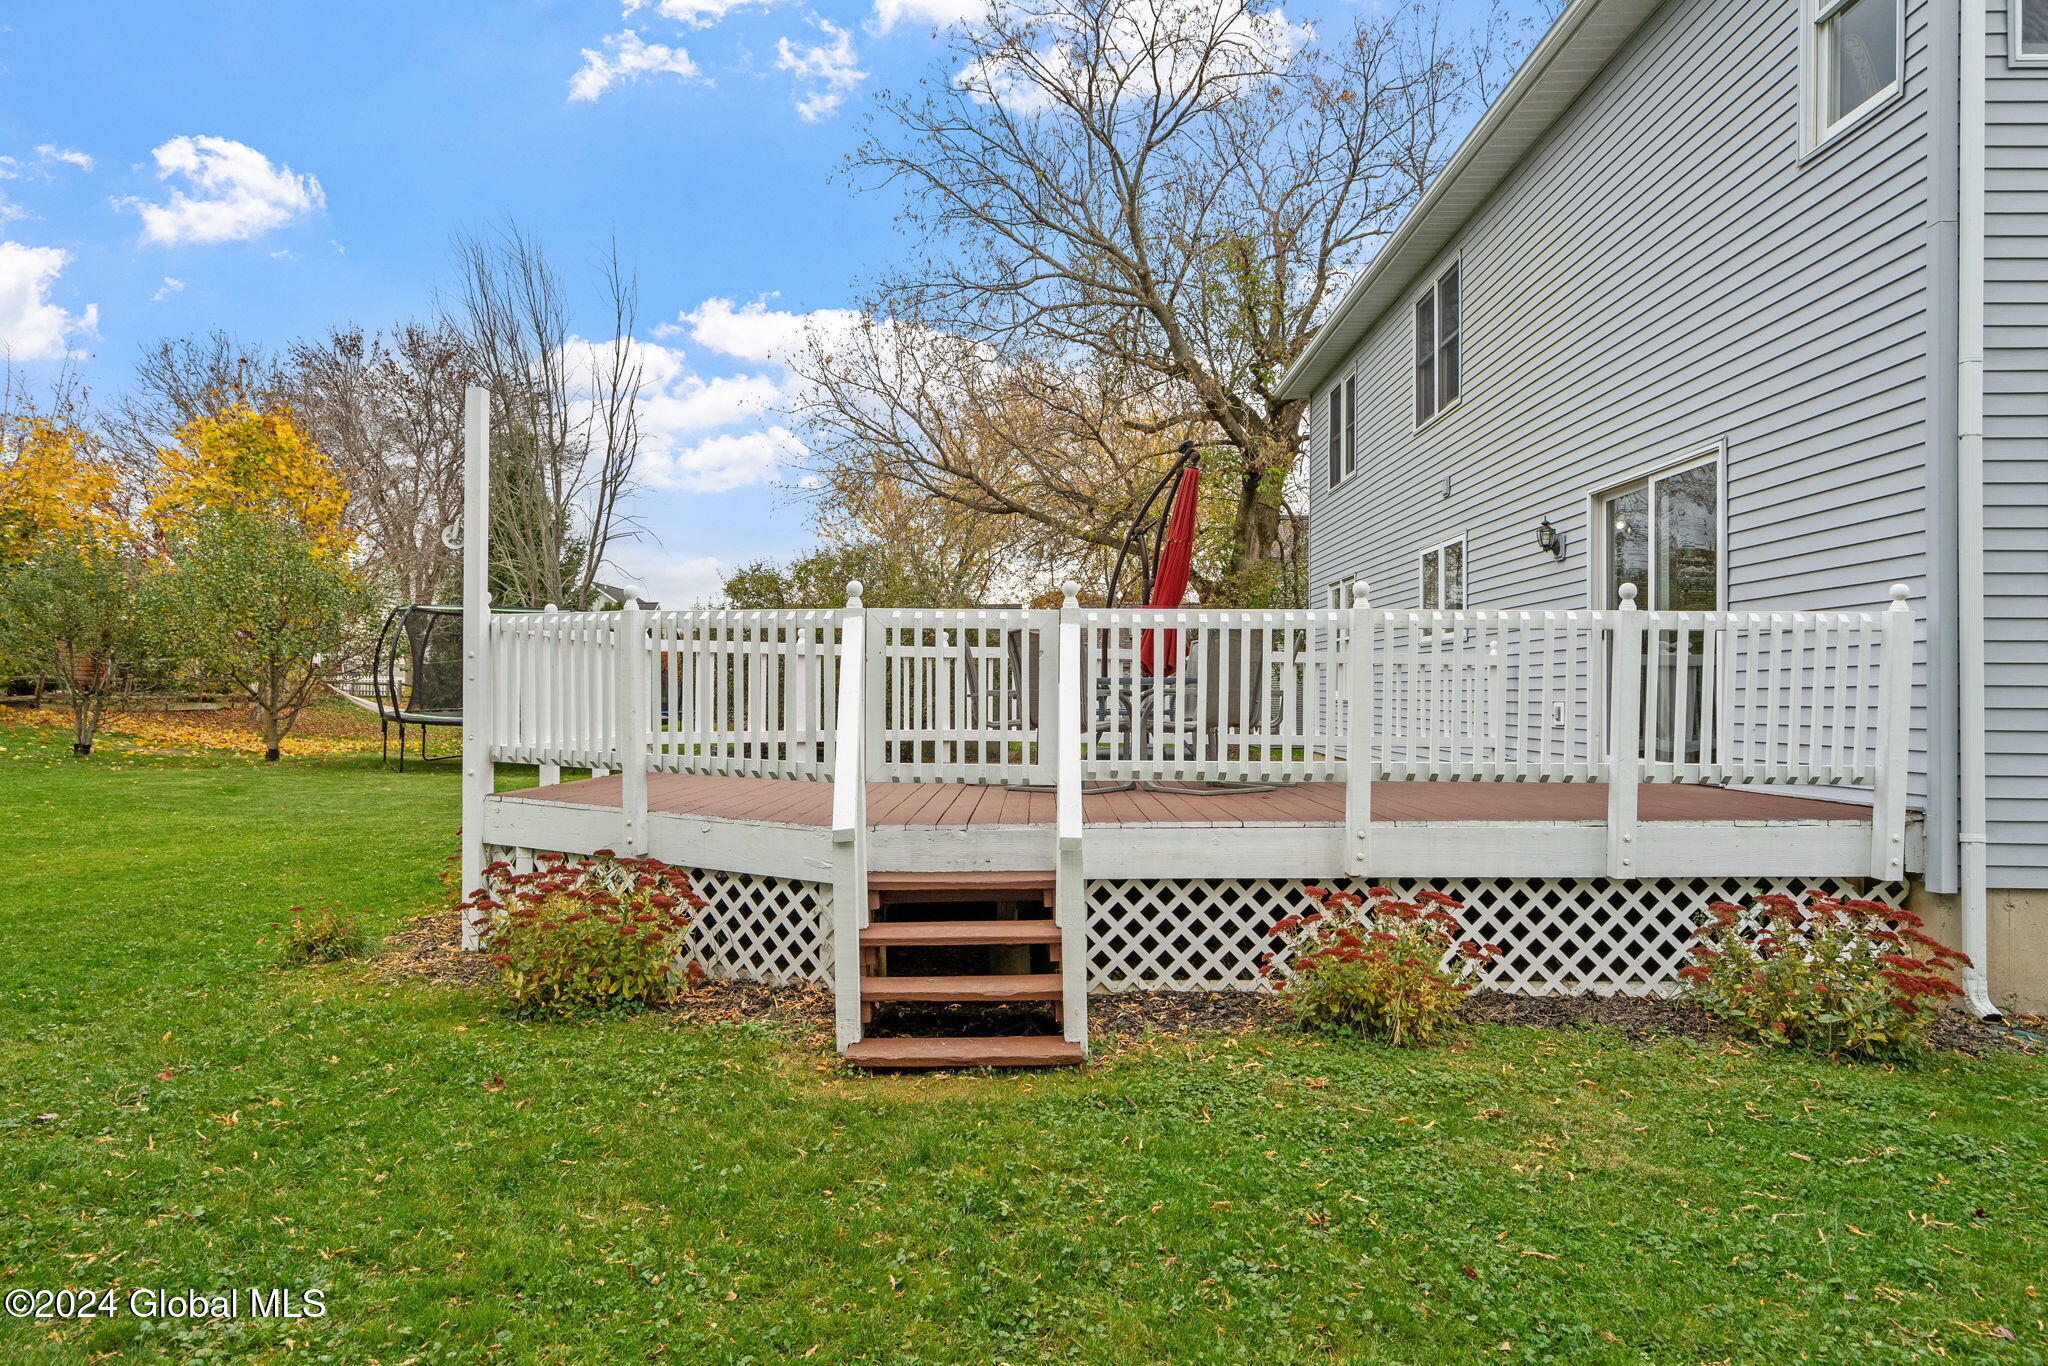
[{"x": 1972, "y": 827}]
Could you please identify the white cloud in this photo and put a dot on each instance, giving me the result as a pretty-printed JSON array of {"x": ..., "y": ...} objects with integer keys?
[
  {"x": 675, "y": 581},
  {"x": 729, "y": 460},
  {"x": 1242, "y": 45},
  {"x": 31, "y": 327},
  {"x": 934, "y": 13},
  {"x": 628, "y": 58},
  {"x": 680, "y": 410},
  {"x": 230, "y": 193},
  {"x": 696, "y": 13},
  {"x": 64, "y": 156},
  {"x": 167, "y": 289},
  {"x": 754, "y": 331},
  {"x": 828, "y": 68}
]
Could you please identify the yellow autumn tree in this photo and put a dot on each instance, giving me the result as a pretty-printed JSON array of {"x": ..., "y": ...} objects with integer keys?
[
  {"x": 52, "y": 482},
  {"x": 241, "y": 458}
]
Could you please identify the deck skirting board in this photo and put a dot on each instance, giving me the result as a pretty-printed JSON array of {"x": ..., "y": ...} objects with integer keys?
[{"x": 1310, "y": 850}]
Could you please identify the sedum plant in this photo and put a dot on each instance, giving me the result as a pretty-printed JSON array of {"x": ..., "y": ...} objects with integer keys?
[
  {"x": 1377, "y": 965},
  {"x": 1840, "y": 975},
  {"x": 574, "y": 936}
]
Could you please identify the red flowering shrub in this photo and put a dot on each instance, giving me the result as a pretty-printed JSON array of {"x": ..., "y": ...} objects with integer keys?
[
  {"x": 591, "y": 935},
  {"x": 1383, "y": 970},
  {"x": 1857, "y": 978}
]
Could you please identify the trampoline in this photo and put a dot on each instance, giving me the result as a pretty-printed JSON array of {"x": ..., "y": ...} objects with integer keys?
[{"x": 416, "y": 674}]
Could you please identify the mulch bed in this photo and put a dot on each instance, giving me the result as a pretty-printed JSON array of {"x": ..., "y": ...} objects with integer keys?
[{"x": 429, "y": 947}]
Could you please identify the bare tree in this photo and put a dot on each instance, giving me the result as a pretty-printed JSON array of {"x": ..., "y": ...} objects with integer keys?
[
  {"x": 176, "y": 380},
  {"x": 1050, "y": 461},
  {"x": 1165, "y": 193},
  {"x": 386, "y": 410},
  {"x": 564, "y": 414}
]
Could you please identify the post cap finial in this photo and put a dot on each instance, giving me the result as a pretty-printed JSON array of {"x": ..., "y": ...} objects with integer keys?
[
  {"x": 853, "y": 587},
  {"x": 1900, "y": 592},
  {"x": 1071, "y": 592},
  {"x": 1360, "y": 593},
  {"x": 550, "y": 607},
  {"x": 1628, "y": 595}
]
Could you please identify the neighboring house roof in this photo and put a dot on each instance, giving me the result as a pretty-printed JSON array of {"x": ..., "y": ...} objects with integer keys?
[{"x": 1576, "y": 49}]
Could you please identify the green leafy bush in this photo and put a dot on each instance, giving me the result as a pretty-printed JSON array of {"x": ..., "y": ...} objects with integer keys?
[
  {"x": 1844, "y": 976},
  {"x": 1383, "y": 970},
  {"x": 325, "y": 934},
  {"x": 576, "y": 936}
]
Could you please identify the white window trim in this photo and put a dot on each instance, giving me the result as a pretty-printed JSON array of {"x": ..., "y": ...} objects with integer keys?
[
  {"x": 1599, "y": 585},
  {"x": 1349, "y": 465},
  {"x": 1436, "y": 280},
  {"x": 1816, "y": 135},
  {"x": 1343, "y": 435},
  {"x": 2013, "y": 55},
  {"x": 1464, "y": 573}
]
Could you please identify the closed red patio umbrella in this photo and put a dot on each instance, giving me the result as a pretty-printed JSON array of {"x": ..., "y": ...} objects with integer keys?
[{"x": 1176, "y": 558}]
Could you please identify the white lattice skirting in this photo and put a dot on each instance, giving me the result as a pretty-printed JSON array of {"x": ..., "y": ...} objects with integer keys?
[{"x": 1559, "y": 936}]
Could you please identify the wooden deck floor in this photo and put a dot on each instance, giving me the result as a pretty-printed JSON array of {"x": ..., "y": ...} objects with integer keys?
[{"x": 794, "y": 802}]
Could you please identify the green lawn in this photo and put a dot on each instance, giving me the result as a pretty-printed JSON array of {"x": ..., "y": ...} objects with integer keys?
[{"x": 175, "y": 1113}]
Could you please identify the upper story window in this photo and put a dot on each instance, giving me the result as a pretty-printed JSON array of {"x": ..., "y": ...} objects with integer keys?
[
  {"x": 1436, "y": 347},
  {"x": 1443, "y": 576},
  {"x": 1854, "y": 59},
  {"x": 2027, "y": 31},
  {"x": 1343, "y": 428}
]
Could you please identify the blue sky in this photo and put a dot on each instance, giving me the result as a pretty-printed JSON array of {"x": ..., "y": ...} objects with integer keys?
[{"x": 274, "y": 168}]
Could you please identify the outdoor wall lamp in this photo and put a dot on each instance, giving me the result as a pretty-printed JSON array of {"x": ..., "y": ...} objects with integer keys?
[{"x": 1548, "y": 538}]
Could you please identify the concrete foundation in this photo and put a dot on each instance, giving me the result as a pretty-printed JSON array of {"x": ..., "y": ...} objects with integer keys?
[{"x": 2018, "y": 927}]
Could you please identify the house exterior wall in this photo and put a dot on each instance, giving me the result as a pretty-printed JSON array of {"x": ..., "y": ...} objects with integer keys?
[
  {"x": 2016, "y": 462},
  {"x": 1667, "y": 273}
]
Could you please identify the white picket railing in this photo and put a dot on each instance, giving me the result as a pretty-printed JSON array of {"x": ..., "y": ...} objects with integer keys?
[
  {"x": 554, "y": 688},
  {"x": 957, "y": 695},
  {"x": 1198, "y": 694},
  {"x": 752, "y": 694}
]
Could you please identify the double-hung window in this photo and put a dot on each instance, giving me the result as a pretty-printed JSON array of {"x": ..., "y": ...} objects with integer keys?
[
  {"x": 1443, "y": 576},
  {"x": 1854, "y": 59},
  {"x": 1437, "y": 318},
  {"x": 2026, "y": 32},
  {"x": 1343, "y": 428}
]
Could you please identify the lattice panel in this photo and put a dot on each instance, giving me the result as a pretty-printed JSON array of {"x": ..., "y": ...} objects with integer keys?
[
  {"x": 1559, "y": 936},
  {"x": 753, "y": 928},
  {"x": 763, "y": 929}
]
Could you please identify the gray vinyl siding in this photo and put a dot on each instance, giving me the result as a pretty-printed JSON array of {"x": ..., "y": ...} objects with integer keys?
[
  {"x": 2016, "y": 466},
  {"x": 1663, "y": 274}
]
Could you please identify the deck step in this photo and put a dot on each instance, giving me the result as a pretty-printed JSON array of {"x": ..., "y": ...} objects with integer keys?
[
  {"x": 1008, "y": 1050},
  {"x": 885, "y": 934},
  {"x": 1023, "y": 880},
  {"x": 1004, "y": 986}
]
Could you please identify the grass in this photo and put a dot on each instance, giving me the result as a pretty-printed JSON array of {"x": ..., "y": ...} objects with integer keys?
[{"x": 176, "y": 1112}]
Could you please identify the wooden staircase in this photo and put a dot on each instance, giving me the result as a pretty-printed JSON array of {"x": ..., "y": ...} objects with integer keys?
[{"x": 1020, "y": 929}]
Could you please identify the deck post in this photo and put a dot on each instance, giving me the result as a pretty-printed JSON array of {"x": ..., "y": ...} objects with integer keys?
[
  {"x": 629, "y": 660},
  {"x": 550, "y": 774},
  {"x": 1070, "y": 885},
  {"x": 1358, "y": 666},
  {"x": 1894, "y": 742},
  {"x": 1624, "y": 735},
  {"x": 849, "y": 821},
  {"x": 477, "y": 770}
]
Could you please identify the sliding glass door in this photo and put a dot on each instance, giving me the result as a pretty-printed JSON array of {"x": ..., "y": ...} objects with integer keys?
[{"x": 1663, "y": 536}]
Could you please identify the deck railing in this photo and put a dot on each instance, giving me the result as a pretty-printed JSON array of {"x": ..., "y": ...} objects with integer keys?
[{"x": 1354, "y": 695}]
